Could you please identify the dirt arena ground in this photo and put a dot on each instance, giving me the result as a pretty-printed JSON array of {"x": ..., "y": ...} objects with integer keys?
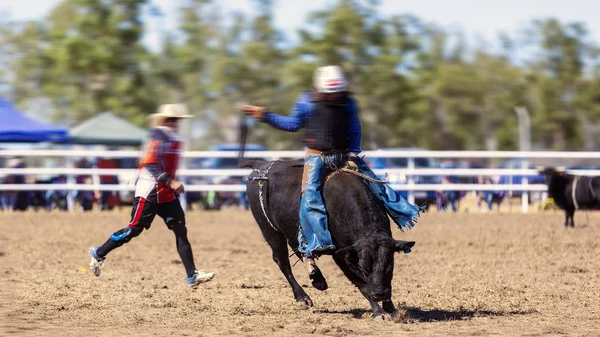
[{"x": 468, "y": 275}]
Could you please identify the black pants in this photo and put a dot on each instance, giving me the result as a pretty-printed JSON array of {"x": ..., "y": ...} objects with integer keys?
[{"x": 142, "y": 215}]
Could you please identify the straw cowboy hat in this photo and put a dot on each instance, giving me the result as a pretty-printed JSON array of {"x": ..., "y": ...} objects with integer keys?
[{"x": 169, "y": 111}]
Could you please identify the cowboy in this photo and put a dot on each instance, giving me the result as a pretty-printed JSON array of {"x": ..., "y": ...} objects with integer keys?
[
  {"x": 157, "y": 193},
  {"x": 332, "y": 133}
]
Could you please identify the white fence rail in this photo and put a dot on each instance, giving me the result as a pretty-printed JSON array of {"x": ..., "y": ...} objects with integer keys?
[{"x": 70, "y": 171}]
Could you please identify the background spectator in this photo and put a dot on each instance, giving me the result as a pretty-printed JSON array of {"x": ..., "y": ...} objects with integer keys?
[
  {"x": 57, "y": 198},
  {"x": 243, "y": 198},
  {"x": 489, "y": 197},
  {"x": 84, "y": 198},
  {"x": 447, "y": 198},
  {"x": 8, "y": 199},
  {"x": 108, "y": 199},
  {"x": 12, "y": 200}
]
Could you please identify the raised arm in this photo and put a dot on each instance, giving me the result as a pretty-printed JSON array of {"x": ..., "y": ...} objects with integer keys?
[{"x": 300, "y": 111}]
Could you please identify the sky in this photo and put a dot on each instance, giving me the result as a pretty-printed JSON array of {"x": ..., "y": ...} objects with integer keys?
[{"x": 475, "y": 17}]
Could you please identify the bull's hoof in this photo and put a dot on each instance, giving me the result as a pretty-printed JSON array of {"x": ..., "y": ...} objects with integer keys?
[
  {"x": 382, "y": 317},
  {"x": 318, "y": 281},
  {"x": 304, "y": 303}
]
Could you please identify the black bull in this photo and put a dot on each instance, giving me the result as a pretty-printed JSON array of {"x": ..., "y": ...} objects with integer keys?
[
  {"x": 358, "y": 223},
  {"x": 572, "y": 192}
]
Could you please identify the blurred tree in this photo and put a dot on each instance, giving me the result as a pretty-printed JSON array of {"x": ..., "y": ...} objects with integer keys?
[
  {"x": 247, "y": 68},
  {"x": 5, "y": 51},
  {"x": 182, "y": 70},
  {"x": 475, "y": 103},
  {"x": 21, "y": 54},
  {"x": 503, "y": 87},
  {"x": 87, "y": 56},
  {"x": 431, "y": 61},
  {"x": 417, "y": 84},
  {"x": 587, "y": 103},
  {"x": 557, "y": 74},
  {"x": 373, "y": 51}
]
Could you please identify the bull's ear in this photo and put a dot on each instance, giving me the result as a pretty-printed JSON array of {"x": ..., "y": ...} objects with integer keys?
[
  {"x": 349, "y": 253},
  {"x": 403, "y": 246}
]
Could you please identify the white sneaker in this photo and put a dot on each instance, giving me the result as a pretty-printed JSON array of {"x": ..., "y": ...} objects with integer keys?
[
  {"x": 96, "y": 263},
  {"x": 199, "y": 276}
]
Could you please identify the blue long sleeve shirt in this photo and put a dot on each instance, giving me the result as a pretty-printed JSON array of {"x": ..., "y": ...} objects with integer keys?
[{"x": 303, "y": 108}]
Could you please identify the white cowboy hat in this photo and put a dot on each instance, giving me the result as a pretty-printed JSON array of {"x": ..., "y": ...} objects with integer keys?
[{"x": 169, "y": 111}]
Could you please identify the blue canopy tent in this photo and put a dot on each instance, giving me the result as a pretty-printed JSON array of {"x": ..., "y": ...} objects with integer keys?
[{"x": 15, "y": 127}]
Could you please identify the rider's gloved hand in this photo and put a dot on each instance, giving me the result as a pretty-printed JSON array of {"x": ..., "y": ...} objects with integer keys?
[
  {"x": 254, "y": 111},
  {"x": 351, "y": 160},
  {"x": 352, "y": 155}
]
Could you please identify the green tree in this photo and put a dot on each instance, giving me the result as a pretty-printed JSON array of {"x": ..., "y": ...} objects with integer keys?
[
  {"x": 442, "y": 79},
  {"x": 417, "y": 84},
  {"x": 247, "y": 68},
  {"x": 556, "y": 78},
  {"x": 182, "y": 71},
  {"x": 373, "y": 50},
  {"x": 88, "y": 58}
]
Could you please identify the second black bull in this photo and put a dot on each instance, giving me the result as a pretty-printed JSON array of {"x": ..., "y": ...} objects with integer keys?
[
  {"x": 358, "y": 223},
  {"x": 571, "y": 192}
]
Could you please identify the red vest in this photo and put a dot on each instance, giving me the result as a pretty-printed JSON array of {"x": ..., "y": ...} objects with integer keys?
[{"x": 164, "y": 149}]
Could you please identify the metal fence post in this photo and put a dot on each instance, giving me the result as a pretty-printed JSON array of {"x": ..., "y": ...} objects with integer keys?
[
  {"x": 70, "y": 181},
  {"x": 525, "y": 193},
  {"x": 524, "y": 145},
  {"x": 411, "y": 179}
]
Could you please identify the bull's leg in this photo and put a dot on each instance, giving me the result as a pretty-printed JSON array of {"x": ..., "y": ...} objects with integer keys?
[
  {"x": 573, "y": 218},
  {"x": 569, "y": 214},
  {"x": 375, "y": 308},
  {"x": 314, "y": 273},
  {"x": 388, "y": 306},
  {"x": 378, "y": 312},
  {"x": 278, "y": 245}
]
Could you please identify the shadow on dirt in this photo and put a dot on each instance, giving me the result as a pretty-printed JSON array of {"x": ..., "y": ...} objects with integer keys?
[{"x": 406, "y": 314}]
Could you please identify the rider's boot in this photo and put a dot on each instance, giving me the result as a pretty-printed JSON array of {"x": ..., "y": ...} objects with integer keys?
[{"x": 315, "y": 275}]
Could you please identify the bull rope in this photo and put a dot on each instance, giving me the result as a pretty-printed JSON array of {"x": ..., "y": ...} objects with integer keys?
[
  {"x": 364, "y": 176},
  {"x": 352, "y": 168},
  {"x": 573, "y": 190},
  {"x": 587, "y": 215},
  {"x": 591, "y": 187},
  {"x": 262, "y": 177}
]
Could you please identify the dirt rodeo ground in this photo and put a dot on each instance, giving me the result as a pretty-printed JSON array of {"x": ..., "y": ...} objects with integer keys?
[{"x": 468, "y": 275}]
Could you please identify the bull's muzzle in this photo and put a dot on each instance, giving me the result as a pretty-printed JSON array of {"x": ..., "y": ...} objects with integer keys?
[{"x": 381, "y": 294}]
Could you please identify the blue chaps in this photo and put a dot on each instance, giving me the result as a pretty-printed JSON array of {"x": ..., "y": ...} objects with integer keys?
[{"x": 314, "y": 234}]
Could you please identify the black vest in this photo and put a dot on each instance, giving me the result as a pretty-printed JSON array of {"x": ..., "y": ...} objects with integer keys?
[{"x": 327, "y": 126}]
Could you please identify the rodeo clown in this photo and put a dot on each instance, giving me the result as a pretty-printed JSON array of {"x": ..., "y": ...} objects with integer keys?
[
  {"x": 157, "y": 193},
  {"x": 332, "y": 133}
]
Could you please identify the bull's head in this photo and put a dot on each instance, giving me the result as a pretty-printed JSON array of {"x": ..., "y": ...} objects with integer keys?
[
  {"x": 550, "y": 173},
  {"x": 372, "y": 261}
]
